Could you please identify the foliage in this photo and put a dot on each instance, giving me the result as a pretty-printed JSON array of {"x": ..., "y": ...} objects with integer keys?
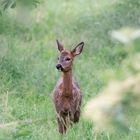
[{"x": 5, "y": 4}]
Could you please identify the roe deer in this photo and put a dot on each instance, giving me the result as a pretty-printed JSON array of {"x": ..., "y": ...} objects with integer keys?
[{"x": 67, "y": 95}]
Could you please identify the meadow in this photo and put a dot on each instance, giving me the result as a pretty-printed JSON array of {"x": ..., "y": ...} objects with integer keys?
[{"x": 28, "y": 56}]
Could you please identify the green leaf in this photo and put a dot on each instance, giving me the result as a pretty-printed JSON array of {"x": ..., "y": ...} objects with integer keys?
[{"x": 13, "y": 5}]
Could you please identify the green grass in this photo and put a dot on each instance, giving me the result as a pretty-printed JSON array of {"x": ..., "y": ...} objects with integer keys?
[{"x": 28, "y": 56}]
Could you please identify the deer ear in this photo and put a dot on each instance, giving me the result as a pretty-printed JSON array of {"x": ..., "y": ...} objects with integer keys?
[
  {"x": 59, "y": 45},
  {"x": 78, "y": 49}
]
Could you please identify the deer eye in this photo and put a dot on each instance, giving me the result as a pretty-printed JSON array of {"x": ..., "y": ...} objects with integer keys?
[{"x": 67, "y": 59}]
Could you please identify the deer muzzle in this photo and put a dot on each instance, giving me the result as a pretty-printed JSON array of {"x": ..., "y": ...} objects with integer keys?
[{"x": 59, "y": 67}]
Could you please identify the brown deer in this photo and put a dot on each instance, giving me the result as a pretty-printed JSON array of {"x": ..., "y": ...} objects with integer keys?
[{"x": 67, "y": 95}]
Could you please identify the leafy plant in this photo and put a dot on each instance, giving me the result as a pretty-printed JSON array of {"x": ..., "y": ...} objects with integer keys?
[{"x": 5, "y": 4}]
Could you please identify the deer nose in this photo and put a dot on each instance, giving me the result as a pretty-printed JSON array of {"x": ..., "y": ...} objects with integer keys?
[{"x": 59, "y": 66}]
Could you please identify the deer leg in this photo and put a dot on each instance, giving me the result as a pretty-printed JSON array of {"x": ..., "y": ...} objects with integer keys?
[
  {"x": 76, "y": 116},
  {"x": 61, "y": 125}
]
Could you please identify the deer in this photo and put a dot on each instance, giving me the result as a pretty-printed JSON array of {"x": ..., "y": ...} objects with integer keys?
[{"x": 67, "y": 95}]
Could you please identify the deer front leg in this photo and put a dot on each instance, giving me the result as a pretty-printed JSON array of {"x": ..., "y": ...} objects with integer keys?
[
  {"x": 76, "y": 116},
  {"x": 61, "y": 125}
]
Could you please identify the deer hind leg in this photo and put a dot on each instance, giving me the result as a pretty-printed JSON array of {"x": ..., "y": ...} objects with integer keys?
[{"x": 76, "y": 116}]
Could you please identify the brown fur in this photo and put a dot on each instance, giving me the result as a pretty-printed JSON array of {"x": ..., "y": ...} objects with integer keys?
[{"x": 67, "y": 95}]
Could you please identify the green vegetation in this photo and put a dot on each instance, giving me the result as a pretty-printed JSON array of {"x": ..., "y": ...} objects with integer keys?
[{"x": 28, "y": 56}]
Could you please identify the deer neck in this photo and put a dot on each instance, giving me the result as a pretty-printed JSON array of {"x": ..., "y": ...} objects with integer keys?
[{"x": 67, "y": 83}]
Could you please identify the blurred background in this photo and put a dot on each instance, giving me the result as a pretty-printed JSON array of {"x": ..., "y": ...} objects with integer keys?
[{"x": 108, "y": 70}]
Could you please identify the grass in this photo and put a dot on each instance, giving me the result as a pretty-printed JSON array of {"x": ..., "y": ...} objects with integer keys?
[{"x": 28, "y": 57}]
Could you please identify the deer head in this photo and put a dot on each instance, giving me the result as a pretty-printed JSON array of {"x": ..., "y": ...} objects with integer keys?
[{"x": 66, "y": 57}]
